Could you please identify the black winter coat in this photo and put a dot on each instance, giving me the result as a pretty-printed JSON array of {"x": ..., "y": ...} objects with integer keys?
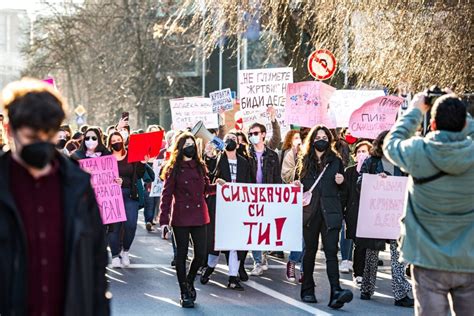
[
  {"x": 350, "y": 201},
  {"x": 271, "y": 165},
  {"x": 326, "y": 196},
  {"x": 85, "y": 242},
  {"x": 373, "y": 165}
]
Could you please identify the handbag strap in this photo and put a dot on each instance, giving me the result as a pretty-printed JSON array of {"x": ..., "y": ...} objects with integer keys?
[{"x": 319, "y": 178}]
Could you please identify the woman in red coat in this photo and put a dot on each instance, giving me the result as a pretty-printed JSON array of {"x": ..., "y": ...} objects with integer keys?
[{"x": 183, "y": 206}]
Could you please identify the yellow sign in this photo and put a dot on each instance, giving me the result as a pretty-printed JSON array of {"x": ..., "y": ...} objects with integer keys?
[{"x": 80, "y": 110}]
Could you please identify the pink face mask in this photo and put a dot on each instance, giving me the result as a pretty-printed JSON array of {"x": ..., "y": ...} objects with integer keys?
[{"x": 360, "y": 160}]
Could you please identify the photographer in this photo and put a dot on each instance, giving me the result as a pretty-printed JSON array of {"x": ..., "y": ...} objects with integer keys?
[{"x": 437, "y": 227}]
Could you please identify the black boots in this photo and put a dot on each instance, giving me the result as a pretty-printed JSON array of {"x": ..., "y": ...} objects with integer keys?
[
  {"x": 244, "y": 277},
  {"x": 405, "y": 302},
  {"x": 206, "y": 275},
  {"x": 191, "y": 289},
  {"x": 339, "y": 297},
  {"x": 234, "y": 284},
  {"x": 186, "y": 301},
  {"x": 309, "y": 298}
]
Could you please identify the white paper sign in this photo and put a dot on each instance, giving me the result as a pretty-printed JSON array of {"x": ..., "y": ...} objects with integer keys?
[
  {"x": 187, "y": 112},
  {"x": 157, "y": 184},
  {"x": 344, "y": 102},
  {"x": 261, "y": 88},
  {"x": 259, "y": 217},
  {"x": 382, "y": 202},
  {"x": 221, "y": 100}
]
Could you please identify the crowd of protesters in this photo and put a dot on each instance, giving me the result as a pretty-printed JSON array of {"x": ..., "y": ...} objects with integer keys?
[{"x": 437, "y": 230}]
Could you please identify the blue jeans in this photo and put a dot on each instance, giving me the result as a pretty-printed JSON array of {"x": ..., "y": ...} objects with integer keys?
[
  {"x": 297, "y": 256},
  {"x": 346, "y": 245},
  {"x": 150, "y": 207},
  {"x": 257, "y": 257},
  {"x": 117, "y": 241}
]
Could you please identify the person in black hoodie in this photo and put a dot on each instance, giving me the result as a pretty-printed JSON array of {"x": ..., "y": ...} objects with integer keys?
[
  {"x": 323, "y": 215},
  {"x": 230, "y": 167}
]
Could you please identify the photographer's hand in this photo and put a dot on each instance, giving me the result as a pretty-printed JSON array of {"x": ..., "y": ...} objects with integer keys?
[{"x": 418, "y": 102}]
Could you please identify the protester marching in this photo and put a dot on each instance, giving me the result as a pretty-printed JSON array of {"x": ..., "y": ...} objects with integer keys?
[{"x": 344, "y": 192}]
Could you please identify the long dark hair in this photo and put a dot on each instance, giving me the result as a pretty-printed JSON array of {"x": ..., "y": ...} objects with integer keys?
[
  {"x": 308, "y": 159},
  {"x": 176, "y": 157},
  {"x": 109, "y": 145},
  {"x": 100, "y": 144},
  {"x": 376, "y": 150}
]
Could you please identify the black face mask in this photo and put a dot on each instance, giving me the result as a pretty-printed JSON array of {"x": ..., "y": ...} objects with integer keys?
[
  {"x": 241, "y": 149},
  {"x": 61, "y": 144},
  {"x": 38, "y": 155},
  {"x": 117, "y": 146},
  {"x": 189, "y": 151},
  {"x": 321, "y": 145},
  {"x": 230, "y": 145}
]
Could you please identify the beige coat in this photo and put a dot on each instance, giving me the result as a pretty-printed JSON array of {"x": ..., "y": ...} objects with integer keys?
[{"x": 288, "y": 167}]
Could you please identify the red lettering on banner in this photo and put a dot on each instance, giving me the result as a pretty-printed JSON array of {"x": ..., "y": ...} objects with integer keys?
[
  {"x": 279, "y": 222},
  {"x": 278, "y": 193},
  {"x": 256, "y": 210},
  {"x": 251, "y": 224},
  {"x": 270, "y": 194},
  {"x": 235, "y": 195},
  {"x": 295, "y": 190},
  {"x": 265, "y": 236},
  {"x": 286, "y": 194},
  {"x": 262, "y": 195},
  {"x": 254, "y": 193},
  {"x": 245, "y": 192},
  {"x": 224, "y": 196}
]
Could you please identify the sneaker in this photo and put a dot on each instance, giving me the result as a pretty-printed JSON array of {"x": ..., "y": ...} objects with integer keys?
[
  {"x": 405, "y": 302},
  {"x": 301, "y": 277},
  {"x": 264, "y": 262},
  {"x": 116, "y": 263},
  {"x": 350, "y": 265},
  {"x": 344, "y": 267},
  {"x": 234, "y": 284},
  {"x": 149, "y": 226},
  {"x": 364, "y": 296},
  {"x": 125, "y": 258},
  {"x": 290, "y": 271},
  {"x": 257, "y": 270},
  {"x": 358, "y": 281}
]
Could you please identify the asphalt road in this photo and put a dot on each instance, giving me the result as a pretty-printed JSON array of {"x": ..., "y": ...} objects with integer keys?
[{"x": 149, "y": 287}]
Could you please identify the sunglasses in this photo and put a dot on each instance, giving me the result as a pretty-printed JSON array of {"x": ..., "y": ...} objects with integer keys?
[
  {"x": 91, "y": 138},
  {"x": 254, "y": 133}
]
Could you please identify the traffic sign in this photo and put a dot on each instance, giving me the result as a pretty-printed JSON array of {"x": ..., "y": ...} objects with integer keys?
[
  {"x": 80, "y": 110},
  {"x": 322, "y": 64}
]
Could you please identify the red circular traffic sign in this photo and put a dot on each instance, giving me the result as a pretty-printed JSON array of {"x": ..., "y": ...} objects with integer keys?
[{"x": 322, "y": 64}]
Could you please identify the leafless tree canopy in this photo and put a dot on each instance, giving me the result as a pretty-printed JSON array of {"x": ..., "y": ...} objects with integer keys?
[{"x": 382, "y": 43}]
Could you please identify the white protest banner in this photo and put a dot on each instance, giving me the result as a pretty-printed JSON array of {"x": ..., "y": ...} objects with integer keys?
[
  {"x": 104, "y": 172},
  {"x": 258, "y": 217},
  {"x": 187, "y": 112},
  {"x": 344, "y": 102},
  {"x": 157, "y": 184},
  {"x": 382, "y": 202},
  {"x": 221, "y": 100},
  {"x": 374, "y": 116},
  {"x": 261, "y": 88}
]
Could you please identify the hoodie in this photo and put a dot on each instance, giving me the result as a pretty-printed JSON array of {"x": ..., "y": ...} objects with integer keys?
[{"x": 438, "y": 223}]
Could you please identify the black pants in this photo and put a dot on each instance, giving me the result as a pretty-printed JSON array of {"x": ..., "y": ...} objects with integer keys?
[
  {"x": 330, "y": 242},
  {"x": 181, "y": 237},
  {"x": 358, "y": 259}
]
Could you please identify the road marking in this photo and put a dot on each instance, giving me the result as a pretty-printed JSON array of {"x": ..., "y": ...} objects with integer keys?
[
  {"x": 163, "y": 299},
  {"x": 279, "y": 296}
]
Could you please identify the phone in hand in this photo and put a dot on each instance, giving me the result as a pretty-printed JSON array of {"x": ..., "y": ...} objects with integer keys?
[{"x": 125, "y": 115}]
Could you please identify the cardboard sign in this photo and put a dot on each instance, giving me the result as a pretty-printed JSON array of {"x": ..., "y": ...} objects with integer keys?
[
  {"x": 104, "y": 171},
  {"x": 187, "y": 112},
  {"x": 259, "y": 217},
  {"x": 382, "y": 203},
  {"x": 221, "y": 100},
  {"x": 344, "y": 102},
  {"x": 261, "y": 88},
  {"x": 141, "y": 145},
  {"x": 157, "y": 184},
  {"x": 374, "y": 117},
  {"x": 307, "y": 103}
]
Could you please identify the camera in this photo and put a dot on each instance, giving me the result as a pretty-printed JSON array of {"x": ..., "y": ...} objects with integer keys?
[{"x": 433, "y": 93}]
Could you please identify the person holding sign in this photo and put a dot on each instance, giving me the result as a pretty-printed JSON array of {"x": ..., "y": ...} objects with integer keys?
[
  {"x": 183, "y": 206},
  {"x": 53, "y": 245},
  {"x": 377, "y": 163},
  {"x": 320, "y": 167},
  {"x": 230, "y": 167},
  {"x": 129, "y": 174}
]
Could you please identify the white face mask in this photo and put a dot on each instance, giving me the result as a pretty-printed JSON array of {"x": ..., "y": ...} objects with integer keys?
[
  {"x": 255, "y": 139},
  {"x": 296, "y": 142},
  {"x": 124, "y": 134},
  {"x": 91, "y": 144}
]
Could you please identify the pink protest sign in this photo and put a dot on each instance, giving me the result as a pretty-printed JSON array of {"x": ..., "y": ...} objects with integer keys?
[
  {"x": 307, "y": 103},
  {"x": 374, "y": 117},
  {"x": 382, "y": 202},
  {"x": 50, "y": 80},
  {"x": 104, "y": 171}
]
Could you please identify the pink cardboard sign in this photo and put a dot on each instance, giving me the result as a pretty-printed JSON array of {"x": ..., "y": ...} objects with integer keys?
[
  {"x": 307, "y": 103},
  {"x": 382, "y": 202},
  {"x": 374, "y": 117},
  {"x": 104, "y": 171}
]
